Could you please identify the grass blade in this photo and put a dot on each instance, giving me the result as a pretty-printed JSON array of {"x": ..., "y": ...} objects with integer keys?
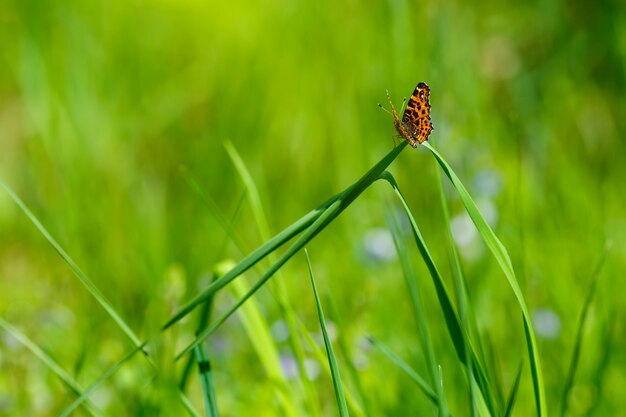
[
  {"x": 334, "y": 368},
  {"x": 502, "y": 257}
]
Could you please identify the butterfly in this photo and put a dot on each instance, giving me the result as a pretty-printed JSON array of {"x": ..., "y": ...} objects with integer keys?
[{"x": 415, "y": 125}]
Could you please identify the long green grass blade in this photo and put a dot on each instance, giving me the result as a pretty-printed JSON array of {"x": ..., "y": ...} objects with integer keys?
[
  {"x": 502, "y": 257},
  {"x": 569, "y": 380},
  {"x": 50, "y": 363},
  {"x": 91, "y": 287},
  {"x": 334, "y": 368}
]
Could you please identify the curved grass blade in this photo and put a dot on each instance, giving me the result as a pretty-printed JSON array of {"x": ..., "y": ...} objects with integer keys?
[
  {"x": 453, "y": 323},
  {"x": 569, "y": 381},
  {"x": 502, "y": 257},
  {"x": 406, "y": 368},
  {"x": 91, "y": 287},
  {"x": 418, "y": 310},
  {"x": 338, "y": 204},
  {"x": 334, "y": 368},
  {"x": 50, "y": 363}
]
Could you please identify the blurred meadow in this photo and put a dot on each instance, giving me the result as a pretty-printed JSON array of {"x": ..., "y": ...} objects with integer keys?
[{"x": 159, "y": 143}]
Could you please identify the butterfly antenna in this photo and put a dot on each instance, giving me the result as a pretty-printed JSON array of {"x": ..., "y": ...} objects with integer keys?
[
  {"x": 381, "y": 106},
  {"x": 402, "y": 106}
]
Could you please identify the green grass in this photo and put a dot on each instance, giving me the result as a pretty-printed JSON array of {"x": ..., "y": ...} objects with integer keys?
[{"x": 162, "y": 168}]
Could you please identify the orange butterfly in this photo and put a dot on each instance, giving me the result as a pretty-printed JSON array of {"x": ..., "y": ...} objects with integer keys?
[{"x": 415, "y": 125}]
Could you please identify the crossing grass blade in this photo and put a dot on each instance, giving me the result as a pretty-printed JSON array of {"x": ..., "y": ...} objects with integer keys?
[
  {"x": 569, "y": 380},
  {"x": 406, "y": 368},
  {"x": 334, "y": 368},
  {"x": 451, "y": 317},
  {"x": 502, "y": 257},
  {"x": 51, "y": 364},
  {"x": 91, "y": 287},
  {"x": 320, "y": 218}
]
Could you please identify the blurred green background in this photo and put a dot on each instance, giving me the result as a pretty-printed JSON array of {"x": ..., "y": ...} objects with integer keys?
[{"x": 102, "y": 103}]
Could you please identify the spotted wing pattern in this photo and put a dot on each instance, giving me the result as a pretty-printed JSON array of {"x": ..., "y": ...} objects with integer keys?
[{"x": 416, "y": 122}]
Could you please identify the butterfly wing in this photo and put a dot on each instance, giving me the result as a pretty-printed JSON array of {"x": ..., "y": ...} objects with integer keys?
[{"x": 416, "y": 116}]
